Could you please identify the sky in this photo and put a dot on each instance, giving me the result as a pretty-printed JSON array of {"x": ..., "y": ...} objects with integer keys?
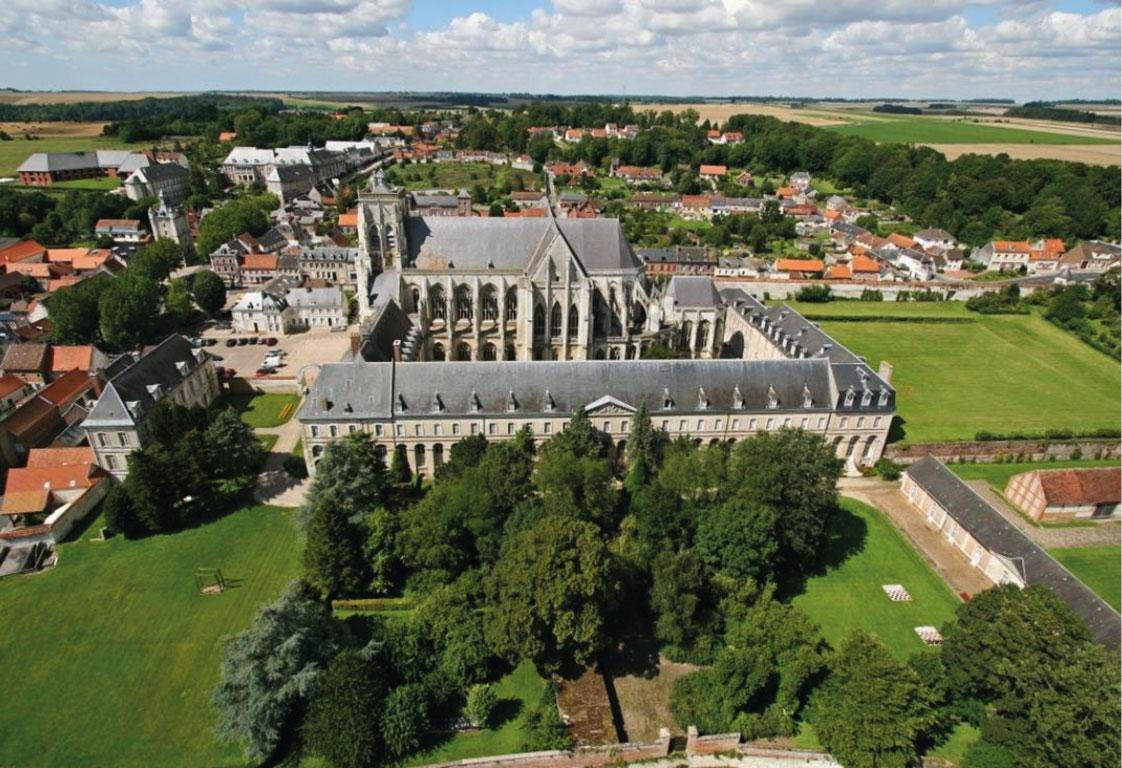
[{"x": 1019, "y": 49}]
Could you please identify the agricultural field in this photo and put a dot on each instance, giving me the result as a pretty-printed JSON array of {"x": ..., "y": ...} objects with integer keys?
[
  {"x": 79, "y": 97},
  {"x": 1100, "y": 568},
  {"x": 113, "y": 654},
  {"x": 977, "y": 372},
  {"x": 938, "y": 130},
  {"x": 869, "y": 552},
  {"x": 455, "y": 176}
]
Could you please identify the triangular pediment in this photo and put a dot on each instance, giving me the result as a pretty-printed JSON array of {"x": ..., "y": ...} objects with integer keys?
[{"x": 609, "y": 406}]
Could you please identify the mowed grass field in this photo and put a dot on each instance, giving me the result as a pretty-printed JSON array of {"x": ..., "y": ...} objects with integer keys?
[
  {"x": 848, "y": 595},
  {"x": 987, "y": 372},
  {"x": 935, "y": 130},
  {"x": 456, "y": 176},
  {"x": 14, "y": 152},
  {"x": 110, "y": 658},
  {"x": 997, "y": 475},
  {"x": 1100, "y": 568},
  {"x": 266, "y": 410}
]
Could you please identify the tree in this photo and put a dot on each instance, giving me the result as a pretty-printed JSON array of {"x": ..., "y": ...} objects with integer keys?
[
  {"x": 157, "y": 261},
  {"x": 247, "y": 214},
  {"x": 231, "y": 448},
  {"x": 793, "y": 471},
  {"x": 543, "y": 728},
  {"x": 75, "y": 313},
  {"x": 209, "y": 291},
  {"x": 177, "y": 304},
  {"x": 680, "y": 598},
  {"x": 642, "y": 445},
  {"x": 405, "y": 719},
  {"x": 741, "y": 539},
  {"x": 353, "y": 473},
  {"x": 129, "y": 311},
  {"x": 342, "y": 724},
  {"x": 549, "y": 595},
  {"x": 270, "y": 671},
  {"x": 870, "y": 711},
  {"x": 577, "y": 486},
  {"x": 399, "y": 467},
  {"x": 333, "y": 555},
  {"x": 480, "y": 704}
]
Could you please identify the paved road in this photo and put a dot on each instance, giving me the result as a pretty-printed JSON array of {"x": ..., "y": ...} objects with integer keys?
[{"x": 943, "y": 557}]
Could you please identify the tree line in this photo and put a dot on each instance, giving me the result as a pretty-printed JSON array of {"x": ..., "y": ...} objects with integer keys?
[
  {"x": 562, "y": 556},
  {"x": 195, "y": 108}
]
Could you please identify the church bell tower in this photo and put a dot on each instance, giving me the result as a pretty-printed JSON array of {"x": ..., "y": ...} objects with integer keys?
[{"x": 382, "y": 213}]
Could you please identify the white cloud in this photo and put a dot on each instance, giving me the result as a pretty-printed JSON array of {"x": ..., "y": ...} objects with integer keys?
[{"x": 794, "y": 47}]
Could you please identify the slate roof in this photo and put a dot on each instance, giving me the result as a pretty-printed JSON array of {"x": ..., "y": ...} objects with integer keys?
[
  {"x": 315, "y": 298},
  {"x": 159, "y": 172},
  {"x": 129, "y": 395},
  {"x": 1001, "y": 537},
  {"x": 421, "y": 200},
  {"x": 481, "y": 244},
  {"x": 329, "y": 253},
  {"x": 345, "y": 391},
  {"x": 693, "y": 291}
]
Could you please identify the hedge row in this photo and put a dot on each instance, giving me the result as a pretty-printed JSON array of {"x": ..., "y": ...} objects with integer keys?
[
  {"x": 374, "y": 604},
  {"x": 984, "y": 436},
  {"x": 815, "y": 316}
]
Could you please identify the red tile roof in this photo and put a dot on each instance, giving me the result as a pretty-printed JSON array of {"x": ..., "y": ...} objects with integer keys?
[
  {"x": 260, "y": 261},
  {"x": 66, "y": 388},
  {"x": 864, "y": 264},
  {"x": 799, "y": 265},
  {"x": 903, "y": 241},
  {"x": 25, "y": 249},
  {"x": 713, "y": 170},
  {"x": 42, "y": 458},
  {"x": 349, "y": 219},
  {"x": 28, "y": 489},
  {"x": 10, "y": 384},
  {"x": 1070, "y": 487},
  {"x": 838, "y": 272},
  {"x": 71, "y": 358}
]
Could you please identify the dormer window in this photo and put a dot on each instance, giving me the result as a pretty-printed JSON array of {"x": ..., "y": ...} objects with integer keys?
[
  {"x": 155, "y": 390},
  {"x": 473, "y": 403},
  {"x": 667, "y": 401},
  {"x": 866, "y": 398},
  {"x": 181, "y": 366},
  {"x": 437, "y": 403},
  {"x": 849, "y": 396},
  {"x": 548, "y": 402},
  {"x": 737, "y": 398},
  {"x": 702, "y": 399},
  {"x": 511, "y": 403},
  {"x": 808, "y": 401},
  {"x": 772, "y": 397},
  {"x": 401, "y": 406},
  {"x": 883, "y": 399}
]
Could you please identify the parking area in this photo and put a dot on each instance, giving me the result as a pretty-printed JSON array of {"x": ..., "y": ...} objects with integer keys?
[{"x": 319, "y": 345}]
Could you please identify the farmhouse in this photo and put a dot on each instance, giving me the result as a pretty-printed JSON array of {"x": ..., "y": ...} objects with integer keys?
[
  {"x": 1067, "y": 494},
  {"x": 997, "y": 548}
]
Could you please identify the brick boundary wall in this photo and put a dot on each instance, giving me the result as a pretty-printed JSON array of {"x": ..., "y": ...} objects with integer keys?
[
  {"x": 712, "y": 744},
  {"x": 988, "y": 451}
]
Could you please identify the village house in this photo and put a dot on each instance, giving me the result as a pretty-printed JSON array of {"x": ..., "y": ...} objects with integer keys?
[
  {"x": 288, "y": 182},
  {"x": 46, "y": 168},
  {"x": 1004, "y": 255},
  {"x": 1092, "y": 256},
  {"x": 529, "y": 199},
  {"x": 678, "y": 260},
  {"x": 296, "y": 310},
  {"x": 172, "y": 370},
  {"x": 799, "y": 269},
  {"x": 125, "y": 231},
  {"x": 329, "y": 263},
  {"x": 1061, "y": 495},
  {"x": 654, "y": 201},
  {"x": 52, "y": 415},
  {"x": 998, "y": 548},
  {"x": 440, "y": 203},
  {"x": 634, "y": 174},
  {"x": 13, "y": 390},
  {"x": 43, "y": 501},
  {"x": 712, "y": 173},
  {"x": 934, "y": 238}
]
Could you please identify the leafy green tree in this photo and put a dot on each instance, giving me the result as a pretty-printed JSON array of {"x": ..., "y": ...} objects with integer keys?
[
  {"x": 793, "y": 471},
  {"x": 449, "y": 617},
  {"x": 870, "y": 711},
  {"x": 177, "y": 304},
  {"x": 480, "y": 704},
  {"x": 270, "y": 670},
  {"x": 642, "y": 447},
  {"x": 75, "y": 314},
  {"x": 232, "y": 450},
  {"x": 681, "y": 598},
  {"x": 549, "y": 595},
  {"x": 404, "y": 720},
  {"x": 352, "y": 472},
  {"x": 209, "y": 291},
  {"x": 157, "y": 261},
  {"x": 333, "y": 554},
  {"x": 542, "y": 726},
  {"x": 342, "y": 723},
  {"x": 129, "y": 311},
  {"x": 246, "y": 214},
  {"x": 577, "y": 486},
  {"x": 381, "y": 551},
  {"x": 740, "y": 538},
  {"x": 399, "y": 467},
  {"x": 465, "y": 454}
]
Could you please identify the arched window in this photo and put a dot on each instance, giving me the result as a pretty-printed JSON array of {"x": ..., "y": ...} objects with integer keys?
[
  {"x": 703, "y": 335},
  {"x": 463, "y": 351},
  {"x": 489, "y": 352},
  {"x": 438, "y": 353},
  {"x": 463, "y": 303},
  {"x": 511, "y": 304},
  {"x": 539, "y": 320},
  {"x": 437, "y": 455},
  {"x": 489, "y": 303},
  {"x": 574, "y": 321},
  {"x": 599, "y": 327},
  {"x": 317, "y": 451},
  {"x": 684, "y": 335},
  {"x": 415, "y": 292},
  {"x": 439, "y": 305},
  {"x": 418, "y": 456},
  {"x": 613, "y": 353},
  {"x": 380, "y": 452},
  {"x": 555, "y": 320}
]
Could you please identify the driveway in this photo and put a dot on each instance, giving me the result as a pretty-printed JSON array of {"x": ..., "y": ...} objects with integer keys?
[
  {"x": 943, "y": 557},
  {"x": 312, "y": 347},
  {"x": 274, "y": 486}
]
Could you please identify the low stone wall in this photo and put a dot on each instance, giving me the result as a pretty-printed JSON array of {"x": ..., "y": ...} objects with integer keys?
[
  {"x": 993, "y": 450},
  {"x": 786, "y": 289},
  {"x": 712, "y": 744},
  {"x": 584, "y": 757}
]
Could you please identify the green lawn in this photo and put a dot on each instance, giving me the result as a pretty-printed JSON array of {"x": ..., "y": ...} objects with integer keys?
[
  {"x": 954, "y": 748},
  {"x": 1100, "y": 568},
  {"x": 932, "y": 130},
  {"x": 849, "y": 595},
  {"x": 263, "y": 410},
  {"x": 14, "y": 152},
  {"x": 1000, "y": 373},
  {"x": 454, "y": 176},
  {"x": 997, "y": 475},
  {"x": 103, "y": 184},
  {"x": 518, "y": 691},
  {"x": 267, "y": 442},
  {"x": 111, "y": 656}
]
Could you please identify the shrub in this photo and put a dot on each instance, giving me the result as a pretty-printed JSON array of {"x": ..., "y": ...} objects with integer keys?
[
  {"x": 871, "y": 294},
  {"x": 480, "y": 705},
  {"x": 814, "y": 294},
  {"x": 295, "y": 467},
  {"x": 1077, "y": 454},
  {"x": 887, "y": 469}
]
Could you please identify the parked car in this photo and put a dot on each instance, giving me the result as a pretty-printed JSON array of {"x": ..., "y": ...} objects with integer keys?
[
  {"x": 231, "y": 342},
  {"x": 210, "y": 342},
  {"x": 271, "y": 341},
  {"x": 254, "y": 340},
  {"x": 242, "y": 341},
  {"x": 266, "y": 370}
]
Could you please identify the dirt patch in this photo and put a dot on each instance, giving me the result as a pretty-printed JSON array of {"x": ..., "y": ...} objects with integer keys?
[
  {"x": 59, "y": 129},
  {"x": 645, "y": 701},
  {"x": 1092, "y": 154},
  {"x": 586, "y": 708},
  {"x": 719, "y": 112}
]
